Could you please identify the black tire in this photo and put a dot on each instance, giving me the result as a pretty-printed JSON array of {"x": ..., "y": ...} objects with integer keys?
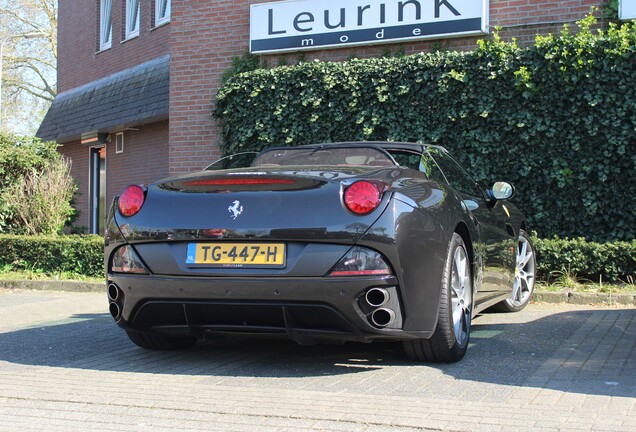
[
  {"x": 157, "y": 342},
  {"x": 525, "y": 271},
  {"x": 447, "y": 345}
]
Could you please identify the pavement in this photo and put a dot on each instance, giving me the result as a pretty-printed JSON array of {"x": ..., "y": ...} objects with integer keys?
[{"x": 65, "y": 366}]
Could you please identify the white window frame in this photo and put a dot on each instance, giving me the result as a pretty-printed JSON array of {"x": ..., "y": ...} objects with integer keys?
[
  {"x": 105, "y": 24},
  {"x": 133, "y": 11},
  {"x": 159, "y": 6},
  {"x": 119, "y": 149}
]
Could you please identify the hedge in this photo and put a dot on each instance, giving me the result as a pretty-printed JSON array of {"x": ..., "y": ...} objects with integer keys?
[
  {"x": 55, "y": 254},
  {"x": 606, "y": 262},
  {"x": 557, "y": 119},
  {"x": 614, "y": 262}
]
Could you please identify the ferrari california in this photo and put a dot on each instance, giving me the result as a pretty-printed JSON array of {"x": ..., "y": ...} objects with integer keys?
[{"x": 357, "y": 241}]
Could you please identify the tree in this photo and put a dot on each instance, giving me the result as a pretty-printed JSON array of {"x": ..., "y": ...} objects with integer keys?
[{"x": 29, "y": 80}]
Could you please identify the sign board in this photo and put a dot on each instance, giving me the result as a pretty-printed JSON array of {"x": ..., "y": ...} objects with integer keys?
[
  {"x": 627, "y": 9},
  {"x": 315, "y": 24}
]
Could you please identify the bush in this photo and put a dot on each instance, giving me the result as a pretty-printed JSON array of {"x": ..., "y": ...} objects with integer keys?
[
  {"x": 557, "y": 119},
  {"x": 53, "y": 254},
  {"x": 35, "y": 186},
  {"x": 41, "y": 199},
  {"x": 609, "y": 262}
]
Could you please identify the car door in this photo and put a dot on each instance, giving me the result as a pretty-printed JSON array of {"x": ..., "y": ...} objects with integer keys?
[{"x": 495, "y": 239}]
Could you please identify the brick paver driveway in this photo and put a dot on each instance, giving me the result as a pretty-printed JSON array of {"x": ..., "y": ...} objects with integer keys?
[{"x": 64, "y": 366}]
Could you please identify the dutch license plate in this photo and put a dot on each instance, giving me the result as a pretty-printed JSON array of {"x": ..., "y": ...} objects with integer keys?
[{"x": 264, "y": 255}]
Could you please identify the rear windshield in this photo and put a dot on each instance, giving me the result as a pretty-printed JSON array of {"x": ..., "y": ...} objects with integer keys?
[{"x": 365, "y": 156}]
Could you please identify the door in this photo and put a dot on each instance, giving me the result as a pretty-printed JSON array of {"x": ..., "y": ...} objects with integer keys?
[
  {"x": 495, "y": 240},
  {"x": 97, "y": 190}
]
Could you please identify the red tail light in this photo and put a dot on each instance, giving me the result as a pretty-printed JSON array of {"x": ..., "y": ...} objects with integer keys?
[
  {"x": 362, "y": 197},
  {"x": 131, "y": 200},
  {"x": 238, "y": 181}
]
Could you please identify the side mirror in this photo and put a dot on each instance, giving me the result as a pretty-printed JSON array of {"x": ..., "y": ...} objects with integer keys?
[{"x": 501, "y": 191}]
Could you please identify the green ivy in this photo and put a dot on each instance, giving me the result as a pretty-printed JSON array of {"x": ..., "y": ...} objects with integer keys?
[{"x": 557, "y": 119}]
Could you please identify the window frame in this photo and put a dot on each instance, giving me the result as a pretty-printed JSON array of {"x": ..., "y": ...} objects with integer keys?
[
  {"x": 105, "y": 24},
  {"x": 161, "y": 20},
  {"x": 130, "y": 9}
]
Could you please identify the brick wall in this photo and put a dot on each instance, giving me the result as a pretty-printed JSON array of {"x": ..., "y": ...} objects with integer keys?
[
  {"x": 206, "y": 35},
  {"x": 144, "y": 160},
  {"x": 79, "y": 61}
]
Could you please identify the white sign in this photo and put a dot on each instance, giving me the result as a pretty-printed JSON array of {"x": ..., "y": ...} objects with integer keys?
[
  {"x": 314, "y": 24},
  {"x": 627, "y": 9}
]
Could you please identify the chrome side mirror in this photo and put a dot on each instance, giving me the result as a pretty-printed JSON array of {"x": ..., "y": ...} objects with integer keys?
[{"x": 501, "y": 191}]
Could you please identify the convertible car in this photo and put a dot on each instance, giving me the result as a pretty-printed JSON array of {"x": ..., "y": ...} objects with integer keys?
[{"x": 359, "y": 241}]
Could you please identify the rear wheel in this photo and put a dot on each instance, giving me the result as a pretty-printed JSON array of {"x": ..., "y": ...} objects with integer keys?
[
  {"x": 523, "y": 286},
  {"x": 450, "y": 340},
  {"x": 157, "y": 342}
]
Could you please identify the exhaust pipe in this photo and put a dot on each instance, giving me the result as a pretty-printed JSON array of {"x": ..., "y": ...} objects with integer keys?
[
  {"x": 377, "y": 297},
  {"x": 382, "y": 317},
  {"x": 113, "y": 292},
  {"x": 114, "y": 310}
]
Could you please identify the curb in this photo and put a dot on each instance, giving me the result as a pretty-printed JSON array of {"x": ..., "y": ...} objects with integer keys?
[
  {"x": 577, "y": 298},
  {"x": 54, "y": 285}
]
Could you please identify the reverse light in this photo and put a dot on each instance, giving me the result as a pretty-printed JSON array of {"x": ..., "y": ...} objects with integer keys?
[
  {"x": 126, "y": 260},
  {"x": 362, "y": 197},
  {"x": 131, "y": 200},
  {"x": 361, "y": 262}
]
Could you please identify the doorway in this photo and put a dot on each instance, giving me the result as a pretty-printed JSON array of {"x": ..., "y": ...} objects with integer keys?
[{"x": 97, "y": 190}]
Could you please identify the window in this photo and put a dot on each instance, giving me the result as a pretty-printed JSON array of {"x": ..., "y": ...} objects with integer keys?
[
  {"x": 119, "y": 143},
  {"x": 132, "y": 18},
  {"x": 162, "y": 12},
  {"x": 105, "y": 24},
  {"x": 459, "y": 179}
]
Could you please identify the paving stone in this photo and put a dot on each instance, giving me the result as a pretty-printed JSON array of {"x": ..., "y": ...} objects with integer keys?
[{"x": 64, "y": 366}]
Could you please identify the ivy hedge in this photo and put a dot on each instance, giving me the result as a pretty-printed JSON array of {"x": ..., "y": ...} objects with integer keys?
[
  {"x": 557, "y": 119},
  {"x": 84, "y": 254},
  {"x": 53, "y": 254}
]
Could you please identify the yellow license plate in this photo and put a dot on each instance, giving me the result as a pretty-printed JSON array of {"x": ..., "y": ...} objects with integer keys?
[{"x": 264, "y": 255}]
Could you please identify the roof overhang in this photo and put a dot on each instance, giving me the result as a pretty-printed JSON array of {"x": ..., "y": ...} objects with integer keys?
[{"x": 129, "y": 98}]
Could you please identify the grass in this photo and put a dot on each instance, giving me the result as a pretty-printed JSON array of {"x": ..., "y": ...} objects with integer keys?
[
  {"x": 564, "y": 280},
  {"x": 10, "y": 274}
]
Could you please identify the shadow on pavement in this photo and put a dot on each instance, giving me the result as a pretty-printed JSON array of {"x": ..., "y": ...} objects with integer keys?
[{"x": 551, "y": 352}]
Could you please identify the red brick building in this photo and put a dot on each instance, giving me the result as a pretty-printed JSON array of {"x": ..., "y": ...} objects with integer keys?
[{"x": 137, "y": 79}]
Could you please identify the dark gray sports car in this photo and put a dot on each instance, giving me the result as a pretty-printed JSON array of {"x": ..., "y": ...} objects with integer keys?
[{"x": 323, "y": 243}]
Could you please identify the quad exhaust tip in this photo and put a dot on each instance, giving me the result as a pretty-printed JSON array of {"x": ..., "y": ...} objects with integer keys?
[
  {"x": 115, "y": 310},
  {"x": 382, "y": 317},
  {"x": 113, "y": 292},
  {"x": 377, "y": 297}
]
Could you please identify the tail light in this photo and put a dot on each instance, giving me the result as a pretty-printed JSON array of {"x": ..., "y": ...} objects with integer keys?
[
  {"x": 361, "y": 262},
  {"x": 363, "y": 196},
  {"x": 131, "y": 200},
  {"x": 126, "y": 260},
  {"x": 239, "y": 181}
]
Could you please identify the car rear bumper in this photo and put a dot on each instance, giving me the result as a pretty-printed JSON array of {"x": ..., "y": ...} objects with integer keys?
[{"x": 306, "y": 310}]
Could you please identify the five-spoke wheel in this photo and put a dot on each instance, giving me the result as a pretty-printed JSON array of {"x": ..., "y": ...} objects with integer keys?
[{"x": 525, "y": 269}]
